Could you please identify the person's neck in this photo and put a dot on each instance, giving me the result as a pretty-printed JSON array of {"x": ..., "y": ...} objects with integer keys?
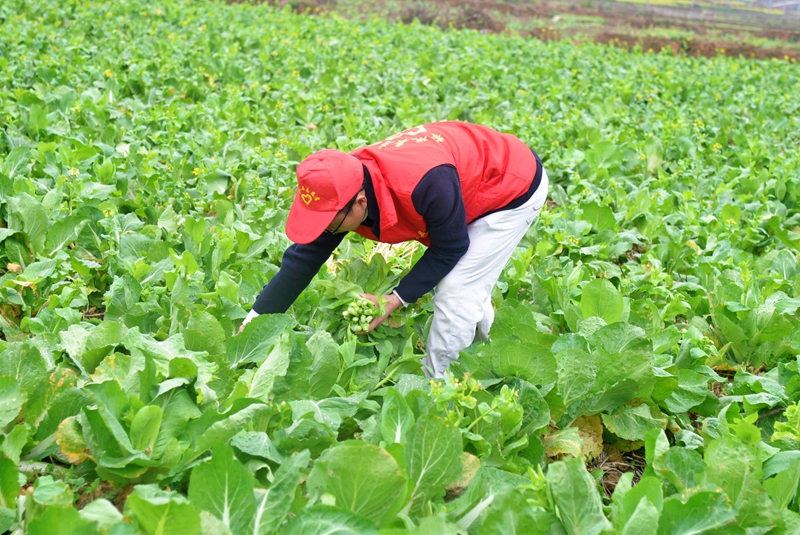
[{"x": 372, "y": 218}]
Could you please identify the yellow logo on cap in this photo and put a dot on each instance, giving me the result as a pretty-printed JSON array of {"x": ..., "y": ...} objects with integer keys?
[{"x": 307, "y": 195}]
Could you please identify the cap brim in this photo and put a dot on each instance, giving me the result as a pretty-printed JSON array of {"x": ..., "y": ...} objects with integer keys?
[{"x": 304, "y": 226}]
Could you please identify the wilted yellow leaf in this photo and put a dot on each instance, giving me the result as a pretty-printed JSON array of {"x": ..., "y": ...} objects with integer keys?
[
  {"x": 469, "y": 467},
  {"x": 564, "y": 442},
  {"x": 590, "y": 429},
  {"x": 70, "y": 439}
]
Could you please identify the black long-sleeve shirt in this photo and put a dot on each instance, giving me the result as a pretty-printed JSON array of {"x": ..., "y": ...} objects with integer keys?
[{"x": 437, "y": 198}]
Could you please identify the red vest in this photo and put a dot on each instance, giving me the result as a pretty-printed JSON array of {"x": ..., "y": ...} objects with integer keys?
[{"x": 493, "y": 168}]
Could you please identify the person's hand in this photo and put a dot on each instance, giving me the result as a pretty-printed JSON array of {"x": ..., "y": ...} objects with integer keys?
[
  {"x": 390, "y": 303},
  {"x": 250, "y": 315}
]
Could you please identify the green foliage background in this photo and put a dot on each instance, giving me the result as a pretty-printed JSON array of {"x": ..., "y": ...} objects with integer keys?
[{"x": 146, "y": 167}]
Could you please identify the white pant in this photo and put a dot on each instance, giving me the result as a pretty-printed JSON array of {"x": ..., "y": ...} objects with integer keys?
[{"x": 462, "y": 301}]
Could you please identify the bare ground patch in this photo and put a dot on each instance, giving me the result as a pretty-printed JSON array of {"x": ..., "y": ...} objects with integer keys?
[{"x": 707, "y": 33}]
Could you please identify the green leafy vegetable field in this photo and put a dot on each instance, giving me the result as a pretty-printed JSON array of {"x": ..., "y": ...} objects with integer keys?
[{"x": 642, "y": 376}]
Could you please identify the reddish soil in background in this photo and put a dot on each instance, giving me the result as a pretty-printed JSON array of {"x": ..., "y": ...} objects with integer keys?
[
  {"x": 621, "y": 24},
  {"x": 697, "y": 47}
]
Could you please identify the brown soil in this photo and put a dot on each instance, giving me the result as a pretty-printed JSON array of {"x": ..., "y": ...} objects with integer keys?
[
  {"x": 93, "y": 313},
  {"x": 104, "y": 489},
  {"x": 790, "y": 36},
  {"x": 635, "y": 252},
  {"x": 696, "y": 47},
  {"x": 121, "y": 497},
  {"x": 709, "y": 32},
  {"x": 614, "y": 464}
]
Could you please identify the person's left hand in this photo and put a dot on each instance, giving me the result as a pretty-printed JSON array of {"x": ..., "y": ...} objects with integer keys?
[{"x": 390, "y": 303}]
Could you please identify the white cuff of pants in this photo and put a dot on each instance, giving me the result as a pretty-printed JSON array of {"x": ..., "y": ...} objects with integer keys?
[{"x": 250, "y": 315}]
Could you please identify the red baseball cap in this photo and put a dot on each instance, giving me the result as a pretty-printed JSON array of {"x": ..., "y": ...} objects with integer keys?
[{"x": 326, "y": 181}]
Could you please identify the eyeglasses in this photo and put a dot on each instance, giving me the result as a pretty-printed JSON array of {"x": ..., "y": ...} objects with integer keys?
[{"x": 346, "y": 210}]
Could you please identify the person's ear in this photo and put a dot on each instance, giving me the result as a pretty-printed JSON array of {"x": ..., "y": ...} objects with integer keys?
[{"x": 361, "y": 199}]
